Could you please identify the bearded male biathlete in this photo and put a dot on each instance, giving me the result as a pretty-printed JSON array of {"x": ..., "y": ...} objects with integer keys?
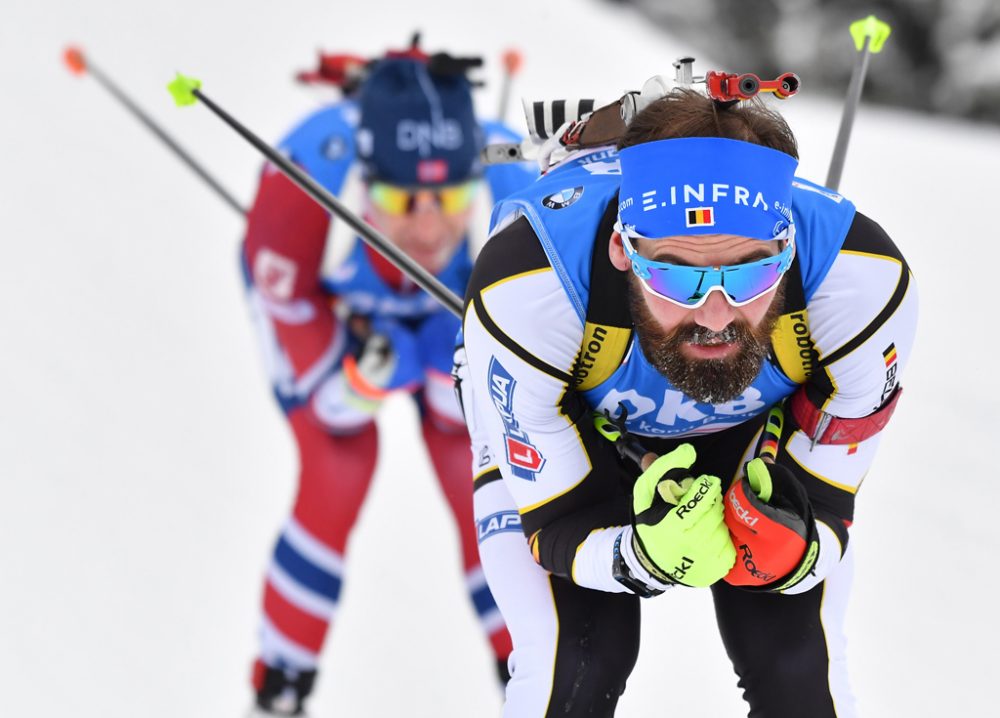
[{"x": 684, "y": 297}]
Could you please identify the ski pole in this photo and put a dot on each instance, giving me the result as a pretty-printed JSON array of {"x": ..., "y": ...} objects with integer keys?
[
  {"x": 511, "y": 66},
  {"x": 78, "y": 65},
  {"x": 186, "y": 91},
  {"x": 770, "y": 434},
  {"x": 869, "y": 35},
  {"x": 627, "y": 445},
  {"x": 631, "y": 448}
]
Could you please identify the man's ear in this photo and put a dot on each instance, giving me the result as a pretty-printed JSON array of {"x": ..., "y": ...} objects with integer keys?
[{"x": 617, "y": 253}]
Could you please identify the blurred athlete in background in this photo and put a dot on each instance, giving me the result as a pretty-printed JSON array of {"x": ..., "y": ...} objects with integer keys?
[{"x": 342, "y": 327}]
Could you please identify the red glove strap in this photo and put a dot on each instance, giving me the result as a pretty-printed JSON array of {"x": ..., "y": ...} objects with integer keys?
[{"x": 835, "y": 430}]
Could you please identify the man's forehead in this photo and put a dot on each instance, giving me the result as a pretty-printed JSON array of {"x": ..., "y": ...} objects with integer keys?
[{"x": 707, "y": 244}]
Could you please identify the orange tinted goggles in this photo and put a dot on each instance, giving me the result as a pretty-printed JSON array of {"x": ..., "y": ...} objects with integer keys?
[{"x": 398, "y": 201}]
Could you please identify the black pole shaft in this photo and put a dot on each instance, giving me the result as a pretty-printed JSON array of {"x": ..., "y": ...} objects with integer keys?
[
  {"x": 427, "y": 281},
  {"x": 145, "y": 119},
  {"x": 847, "y": 118}
]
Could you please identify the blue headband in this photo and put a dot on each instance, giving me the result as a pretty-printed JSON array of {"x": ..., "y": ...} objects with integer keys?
[{"x": 705, "y": 185}]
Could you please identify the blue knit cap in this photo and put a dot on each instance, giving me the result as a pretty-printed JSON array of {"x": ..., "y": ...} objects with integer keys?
[{"x": 417, "y": 128}]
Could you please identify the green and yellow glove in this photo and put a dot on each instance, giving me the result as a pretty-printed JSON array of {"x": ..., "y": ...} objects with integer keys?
[{"x": 679, "y": 534}]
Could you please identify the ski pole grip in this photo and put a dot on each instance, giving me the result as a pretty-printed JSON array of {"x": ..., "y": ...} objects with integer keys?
[
  {"x": 75, "y": 61},
  {"x": 872, "y": 29},
  {"x": 770, "y": 435},
  {"x": 184, "y": 90}
]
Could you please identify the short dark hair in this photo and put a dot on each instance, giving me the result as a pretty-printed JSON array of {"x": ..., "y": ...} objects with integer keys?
[{"x": 688, "y": 113}]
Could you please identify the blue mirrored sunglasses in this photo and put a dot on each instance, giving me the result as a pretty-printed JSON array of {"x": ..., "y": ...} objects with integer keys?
[{"x": 689, "y": 287}]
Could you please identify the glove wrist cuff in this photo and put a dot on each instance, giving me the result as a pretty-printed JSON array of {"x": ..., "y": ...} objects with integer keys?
[
  {"x": 804, "y": 567},
  {"x": 628, "y": 570},
  {"x": 359, "y": 384}
]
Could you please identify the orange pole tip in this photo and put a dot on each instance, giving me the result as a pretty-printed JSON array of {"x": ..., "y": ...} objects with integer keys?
[
  {"x": 512, "y": 60},
  {"x": 73, "y": 57}
]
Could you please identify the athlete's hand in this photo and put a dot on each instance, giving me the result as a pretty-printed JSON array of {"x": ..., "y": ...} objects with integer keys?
[
  {"x": 679, "y": 534},
  {"x": 773, "y": 528},
  {"x": 386, "y": 360}
]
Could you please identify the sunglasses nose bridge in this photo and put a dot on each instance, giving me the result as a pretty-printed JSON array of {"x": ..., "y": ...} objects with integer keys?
[
  {"x": 709, "y": 283},
  {"x": 423, "y": 200},
  {"x": 714, "y": 314}
]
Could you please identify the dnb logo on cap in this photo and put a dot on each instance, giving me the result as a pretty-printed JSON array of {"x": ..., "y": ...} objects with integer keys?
[
  {"x": 700, "y": 216},
  {"x": 563, "y": 198}
]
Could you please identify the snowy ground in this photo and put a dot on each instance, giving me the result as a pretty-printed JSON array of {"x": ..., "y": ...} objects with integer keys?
[{"x": 144, "y": 470}]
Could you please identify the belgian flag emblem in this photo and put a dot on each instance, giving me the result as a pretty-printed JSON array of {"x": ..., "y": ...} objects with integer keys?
[
  {"x": 700, "y": 216},
  {"x": 889, "y": 355}
]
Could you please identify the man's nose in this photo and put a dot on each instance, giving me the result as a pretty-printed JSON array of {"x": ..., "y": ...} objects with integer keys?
[
  {"x": 425, "y": 218},
  {"x": 716, "y": 313},
  {"x": 424, "y": 202}
]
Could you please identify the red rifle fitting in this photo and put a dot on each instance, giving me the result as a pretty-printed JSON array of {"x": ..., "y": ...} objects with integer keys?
[
  {"x": 340, "y": 70},
  {"x": 783, "y": 87},
  {"x": 728, "y": 86}
]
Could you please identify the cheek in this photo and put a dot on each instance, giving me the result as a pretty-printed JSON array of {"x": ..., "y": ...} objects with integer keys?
[
  {"x": 754, "y": 312},
  {"x": 458, "y": 225},
  {"x": 387, "y": 224},
  {"x": 667, "y": 315}
]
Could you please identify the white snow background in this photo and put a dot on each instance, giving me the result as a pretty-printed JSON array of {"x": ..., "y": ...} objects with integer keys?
[{"x": 145, "y": 470}]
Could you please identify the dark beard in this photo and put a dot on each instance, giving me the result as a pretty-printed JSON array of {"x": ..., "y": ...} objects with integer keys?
[{"x": 709, "y": 381}]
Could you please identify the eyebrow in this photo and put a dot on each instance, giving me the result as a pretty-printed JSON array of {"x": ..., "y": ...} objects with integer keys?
[{"x": 752, "y": 256}]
